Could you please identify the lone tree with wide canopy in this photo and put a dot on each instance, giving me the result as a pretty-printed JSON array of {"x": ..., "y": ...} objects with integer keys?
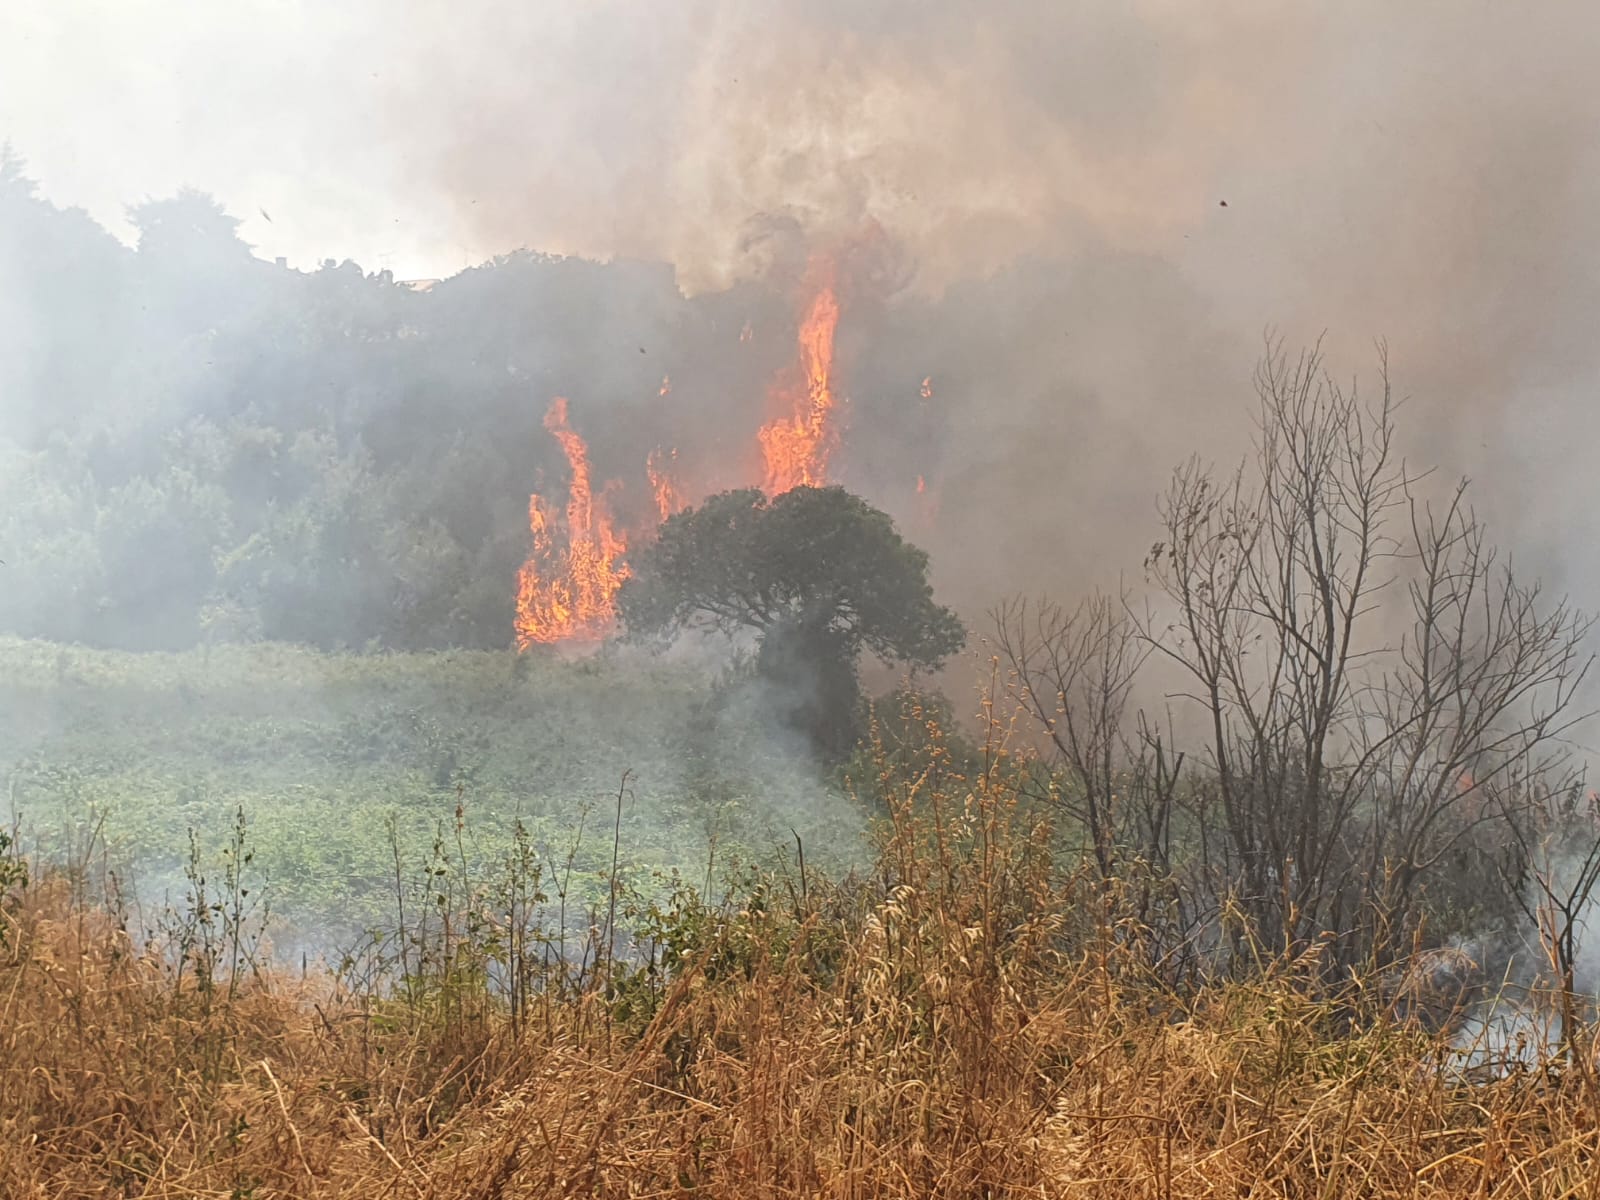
[{"x": 817, "y": 573}]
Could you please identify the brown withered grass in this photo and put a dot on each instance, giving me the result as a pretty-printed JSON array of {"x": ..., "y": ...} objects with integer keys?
[{"x": 971, "y": 1021}]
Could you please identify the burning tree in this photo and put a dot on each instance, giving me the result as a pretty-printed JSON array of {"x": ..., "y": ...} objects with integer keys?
[
  {"x": 818, "y": 574},
  {"x": 567, "y": 588},
  {"x": 797, "y": 445}
]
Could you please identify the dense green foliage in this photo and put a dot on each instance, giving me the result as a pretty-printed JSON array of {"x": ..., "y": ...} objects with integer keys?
[
  {"x": 818, "y": 574},
  {"x": 327, "y": 753},
  {"x": 200, "y": 446}
]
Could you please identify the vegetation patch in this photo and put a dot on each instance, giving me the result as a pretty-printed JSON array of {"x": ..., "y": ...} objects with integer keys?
[{"x": 338, "y": 759}]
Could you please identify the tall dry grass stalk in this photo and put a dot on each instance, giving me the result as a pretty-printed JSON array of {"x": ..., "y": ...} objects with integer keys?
[{"x": 975, "y": 1018}]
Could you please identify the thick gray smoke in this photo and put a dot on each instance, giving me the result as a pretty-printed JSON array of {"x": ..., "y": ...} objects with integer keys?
[{"x": 1162, "y": 181}]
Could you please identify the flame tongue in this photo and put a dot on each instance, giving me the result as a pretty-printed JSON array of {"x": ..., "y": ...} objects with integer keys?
[
  {"x": 797, "y": 446},
  {"x": 570, "y": 594},
  {"x": 668, "y": 492}
]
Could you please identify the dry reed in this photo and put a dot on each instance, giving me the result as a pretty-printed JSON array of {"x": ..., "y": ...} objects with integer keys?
[{"x": 974, "y": 1019}]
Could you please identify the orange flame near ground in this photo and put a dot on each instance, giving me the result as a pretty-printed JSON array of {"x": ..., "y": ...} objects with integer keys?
[
  {"x": 570, "y": 594},
  {"x": 797, "y": 447},
  {"x": 927, "y": 388},
  {"x": 664, "y": 484}
]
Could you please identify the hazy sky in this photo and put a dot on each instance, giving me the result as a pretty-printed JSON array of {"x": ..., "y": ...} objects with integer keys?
[
  {"x": 424, "y": 135},
  {"x": 272, "y": 105}
]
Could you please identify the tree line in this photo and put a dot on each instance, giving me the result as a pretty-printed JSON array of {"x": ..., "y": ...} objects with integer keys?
[{"x": 196, "y": 444}]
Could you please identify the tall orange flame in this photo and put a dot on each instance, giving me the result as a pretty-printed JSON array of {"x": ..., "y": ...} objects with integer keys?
[
  {"x": 661, "y": 468},
  {"x": 569, "y": 594},
  {"x": 797, "y": 446}
]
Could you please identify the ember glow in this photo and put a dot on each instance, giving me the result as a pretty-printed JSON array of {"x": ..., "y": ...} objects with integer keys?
[
  {"x": 797, "y": 445},
  {"x": 567, "y": 589}
]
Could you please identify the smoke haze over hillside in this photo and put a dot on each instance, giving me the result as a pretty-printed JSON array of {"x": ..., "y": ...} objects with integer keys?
[
  {"x": 1101, "y": 206},
  {"x": 1057, "y": 232}
]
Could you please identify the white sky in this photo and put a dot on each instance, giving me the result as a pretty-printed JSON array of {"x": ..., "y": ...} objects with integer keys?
[
  {"x": 423, "y": 135},
  {"x": 1379, "y": 160},
  {"x": 270, "y": 105}
]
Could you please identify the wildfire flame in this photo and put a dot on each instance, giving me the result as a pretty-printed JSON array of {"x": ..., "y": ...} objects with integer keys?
[
  {"x": 664, "y": 483},
  {"x": 566, "y": 591},
  {"x": 569, "y": 593},
  {"x": 797, "y": 446}
]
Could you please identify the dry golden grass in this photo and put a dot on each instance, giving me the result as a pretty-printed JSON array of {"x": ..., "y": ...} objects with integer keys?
[{"x": 973, "y": 1022}]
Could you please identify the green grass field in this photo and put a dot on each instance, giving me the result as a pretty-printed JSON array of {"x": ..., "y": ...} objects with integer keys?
[{"x": 327, "y": 753}]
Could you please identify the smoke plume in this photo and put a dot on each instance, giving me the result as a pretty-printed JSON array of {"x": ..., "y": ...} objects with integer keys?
[
  {"x": 1101, "y": 206},
  {"x": 1113, "y": 199}
]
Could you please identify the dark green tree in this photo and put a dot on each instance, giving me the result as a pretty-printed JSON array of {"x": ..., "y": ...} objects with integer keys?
[{"x": 818, "y": 574}]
